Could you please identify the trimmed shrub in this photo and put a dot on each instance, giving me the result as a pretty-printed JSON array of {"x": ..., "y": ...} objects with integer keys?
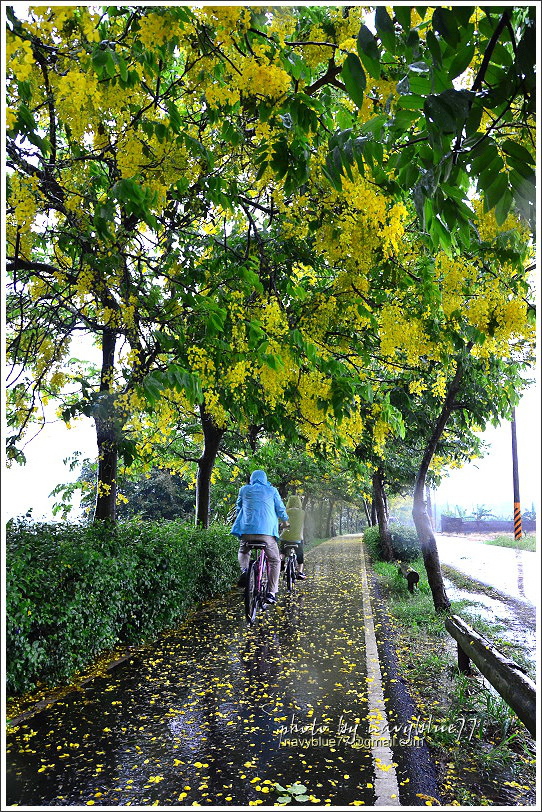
[
  {"x": 371, "y": 537},
  {"x": 404, "y": 540},
  {"x": 73, "y": 591}
]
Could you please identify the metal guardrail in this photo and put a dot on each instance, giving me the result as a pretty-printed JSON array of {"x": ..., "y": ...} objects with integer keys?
[{"x": 506, "y": 676}]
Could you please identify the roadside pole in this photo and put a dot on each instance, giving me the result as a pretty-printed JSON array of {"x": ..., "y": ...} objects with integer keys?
[{"x": 517, "y": 507}]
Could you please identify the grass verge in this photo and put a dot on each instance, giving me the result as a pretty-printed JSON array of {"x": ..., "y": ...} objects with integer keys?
[
  {"x": 484, "y": 754},
  {"x": 528, "y": 542}
]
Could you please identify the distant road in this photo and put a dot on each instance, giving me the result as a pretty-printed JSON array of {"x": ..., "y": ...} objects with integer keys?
[{"x": 514, "y": 572}]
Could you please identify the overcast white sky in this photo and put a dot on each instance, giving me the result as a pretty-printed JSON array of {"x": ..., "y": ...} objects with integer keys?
[{"x": 485, "y": 482}]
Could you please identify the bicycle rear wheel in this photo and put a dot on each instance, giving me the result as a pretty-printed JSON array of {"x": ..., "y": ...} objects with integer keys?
[
  {"x": 264, "y": 584},
  {"x": 290, "y": 573},
  {"x": 252, "y": 592}
]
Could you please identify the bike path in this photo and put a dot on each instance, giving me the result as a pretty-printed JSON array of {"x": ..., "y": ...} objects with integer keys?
[{"x": 216, "y": 712}]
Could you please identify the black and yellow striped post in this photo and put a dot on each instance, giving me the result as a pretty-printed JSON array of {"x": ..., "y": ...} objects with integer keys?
[{"x": 518, "y": 531}]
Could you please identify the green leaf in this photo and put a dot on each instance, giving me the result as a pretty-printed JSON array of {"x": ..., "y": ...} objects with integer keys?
[
  {"x": 503, "y": 206},
  {"x": 354, "y": 78},
  {"x": 402, "y": 15},
  {"x": 123, "y": 68},
  {"x": 443, "y": 21},
  {"x": 486, "y": 152},
  {"x": 385, "y": 28},
  {"x": 434, "y": 48},
  {"x": 174, "y": 117},
  {"x": 495, "y": 191},
  {"x": 517, "y": 151},
  {"x": 297, "y": 789},
  {"x": 99, "y": 58},
  {"x": 368, "y": 51},
  {"x": 411, "y": 102},
  {"x": 461, "y": 61}
]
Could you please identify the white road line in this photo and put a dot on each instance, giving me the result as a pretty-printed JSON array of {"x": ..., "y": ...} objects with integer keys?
[{"x": 386, "y": 786}]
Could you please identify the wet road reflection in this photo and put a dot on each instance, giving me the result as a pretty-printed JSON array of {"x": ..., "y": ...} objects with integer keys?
[{"x": 217, "y": 712}]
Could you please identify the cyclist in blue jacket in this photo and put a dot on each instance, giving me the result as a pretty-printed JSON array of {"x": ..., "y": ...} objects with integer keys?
[{"x": 259, "y": 508}]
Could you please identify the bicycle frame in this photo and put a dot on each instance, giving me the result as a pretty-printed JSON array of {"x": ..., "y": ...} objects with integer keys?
[
  {"x": 257, "y": 581},
  {"x": 290, "y": 565}
]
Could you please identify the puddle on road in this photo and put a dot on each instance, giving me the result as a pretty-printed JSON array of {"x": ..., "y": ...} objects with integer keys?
[
  {"x": 511, "y": 626},
  {"x": 216, "y": 712}
]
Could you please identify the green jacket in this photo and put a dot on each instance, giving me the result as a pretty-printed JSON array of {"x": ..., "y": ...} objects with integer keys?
[{"x": 296, "y": 517}]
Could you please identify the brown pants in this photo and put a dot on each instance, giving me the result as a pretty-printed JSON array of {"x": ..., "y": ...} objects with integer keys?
[{"x": 272, "y": 552}]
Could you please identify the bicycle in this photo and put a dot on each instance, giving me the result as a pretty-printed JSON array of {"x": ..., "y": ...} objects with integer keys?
[
  {"x": 257, "y": 582},
  {"x": 290, "y": 564}
]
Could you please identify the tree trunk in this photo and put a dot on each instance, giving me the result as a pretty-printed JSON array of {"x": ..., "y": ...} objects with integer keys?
[
  {"x": 379, "y": 500},
  {"x": 419, "y": 513},
  {"x": 374, "y": 519},
  {"x": 107, "y": 435},
  {"x": 253, "y": 432},
  {"x": 367, "y": 513},
  {"x": 429, "y": 506},
  {"x": 212, "y": 436},
  {"x": 328, "y": 520}
]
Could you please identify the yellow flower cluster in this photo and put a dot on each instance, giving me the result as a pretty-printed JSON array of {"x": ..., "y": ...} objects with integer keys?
[
  {"x": 313, "y": 387},
  {"x": 227, "y": 20},
  {"x": 202, "y": 365},
  {"x": 325, "y": 315},
  {"x": 438, "y": 387},
  {"x": 399, "y": 334},
  {"x": 89, "y": 24},
  {"x": 313, "y": 55},
  {"x": 352, "y": 426},
  {"x": 381, "y": 430},
  {"x": 487, "y": 223},
  {"x": 455, "y": 274},
  {"x": 57, "y": 380},
  {"x": 22, "y": 196},
  {"x": 417, "y": 387},
  {"x": 219, "y": 95},
  {"x": 394, "y": 230},
  {"x": 19, "y": 57},
  {"x": 364, "y": 224},
  {"x": 215, "y": 408},
  {"x": 130, "y": 156},
  {"x": 262, "y": 80},
  {"x": 155, "y": 29},
  {"x": 77, "y": 91},
  {"x": 272, "y": 319},
  {"x": 237, "y": 374},
  {"x": 104, "y": 488}
]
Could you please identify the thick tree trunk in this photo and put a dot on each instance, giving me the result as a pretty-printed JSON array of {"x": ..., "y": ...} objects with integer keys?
[
  {"x": 429, "y": 505},
  {"x": 419, "y": 512},
  {"x": 107, "y": 435},
  {"x": 379, "y": 500},
  {"x": 212, "y": 436}
]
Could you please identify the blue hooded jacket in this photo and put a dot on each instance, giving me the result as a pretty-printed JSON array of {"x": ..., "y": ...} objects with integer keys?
[{"x": 259, "y": 507}]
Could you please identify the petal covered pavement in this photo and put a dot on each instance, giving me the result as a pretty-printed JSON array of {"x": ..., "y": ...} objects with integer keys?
[{"x": 217, "y": 712}]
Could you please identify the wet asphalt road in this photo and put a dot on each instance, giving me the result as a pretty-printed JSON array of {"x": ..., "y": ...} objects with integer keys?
[{"x": 216, "y": 712}]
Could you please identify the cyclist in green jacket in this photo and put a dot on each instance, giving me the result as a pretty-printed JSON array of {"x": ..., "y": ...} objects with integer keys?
[{"x": 296, "y": 517}]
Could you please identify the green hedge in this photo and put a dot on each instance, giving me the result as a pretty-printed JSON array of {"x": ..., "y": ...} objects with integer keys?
[
  {"x": 404, "y": 540},
  {"x": 73, "y": 591}
]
